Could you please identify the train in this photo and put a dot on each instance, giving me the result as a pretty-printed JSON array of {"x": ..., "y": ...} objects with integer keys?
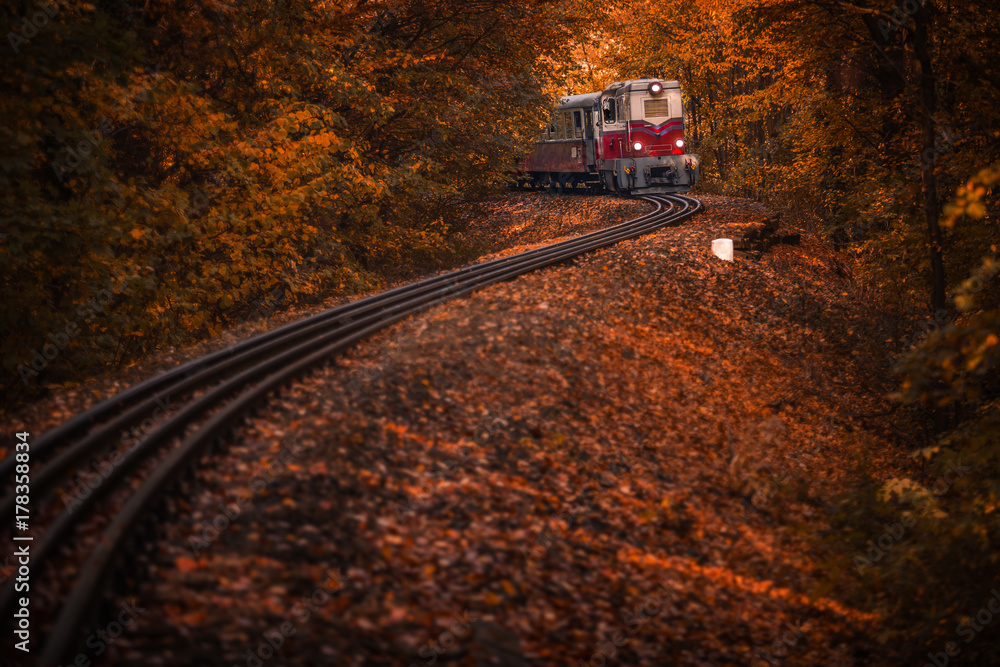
[{"x": 628, "y": 138}]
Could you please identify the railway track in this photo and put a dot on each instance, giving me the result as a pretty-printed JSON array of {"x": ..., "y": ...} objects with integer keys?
[{"x": 213, "y": 394}]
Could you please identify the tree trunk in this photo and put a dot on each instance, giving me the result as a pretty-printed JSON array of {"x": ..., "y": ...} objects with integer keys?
[{"x": 928, "y": 101}]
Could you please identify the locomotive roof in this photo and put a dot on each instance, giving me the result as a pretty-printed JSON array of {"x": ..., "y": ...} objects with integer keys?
[
  {"x": 587, "y": 100},
  {"x": 575, "y": 101},
  {"x": 638, "y": 84}
]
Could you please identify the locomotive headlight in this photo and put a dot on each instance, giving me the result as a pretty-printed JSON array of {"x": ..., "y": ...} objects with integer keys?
[
  {"x": 679, "y": 143},
  {"x": 637, "y": 146},
  {"x": 655, "y": 87}
]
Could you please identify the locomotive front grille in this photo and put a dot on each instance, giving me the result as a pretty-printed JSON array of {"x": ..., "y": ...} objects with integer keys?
[{"x": 656, "y": 108}]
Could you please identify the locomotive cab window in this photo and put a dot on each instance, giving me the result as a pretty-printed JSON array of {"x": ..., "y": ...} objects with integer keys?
[
  {"x": 568, "y": 125},
  {"x": 609, "y": 111},
  {"x": 578, "y": 123},
  {"x": 588, "y": 124}
]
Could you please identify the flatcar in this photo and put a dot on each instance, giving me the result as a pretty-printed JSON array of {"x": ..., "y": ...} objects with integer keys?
[{"x": 628, "y": 138}]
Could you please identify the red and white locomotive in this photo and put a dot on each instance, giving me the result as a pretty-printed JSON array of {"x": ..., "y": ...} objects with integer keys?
[{"x": 628, "y": 138}]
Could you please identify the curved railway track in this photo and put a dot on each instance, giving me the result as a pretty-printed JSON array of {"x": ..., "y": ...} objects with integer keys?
[{"x": 213, "y": 393}]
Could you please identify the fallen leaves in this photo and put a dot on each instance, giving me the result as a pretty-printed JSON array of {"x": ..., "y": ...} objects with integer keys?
[
  {"x": 185, "y": 564},
  {"x": 550, "y": 455}
]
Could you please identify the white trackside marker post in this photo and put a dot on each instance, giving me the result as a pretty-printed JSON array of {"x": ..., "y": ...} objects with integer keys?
[{"x": 723, "y": 249}]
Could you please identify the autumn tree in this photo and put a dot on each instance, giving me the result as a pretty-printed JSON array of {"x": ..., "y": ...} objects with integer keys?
[
  {"x": 171, "y": 168},
  {"x": 879, "y": 124}
]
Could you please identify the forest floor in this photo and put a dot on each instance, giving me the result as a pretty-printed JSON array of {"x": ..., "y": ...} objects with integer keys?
[
  {"x": 511, "y": 222},
  {"x": 622, "y": 460}
]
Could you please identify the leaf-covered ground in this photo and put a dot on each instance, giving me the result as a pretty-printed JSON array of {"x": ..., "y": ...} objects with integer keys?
[
  {"x": 511, "y": 220},
  {"x": 623, "y": 455},
  {"x": 620, "y": 460}
]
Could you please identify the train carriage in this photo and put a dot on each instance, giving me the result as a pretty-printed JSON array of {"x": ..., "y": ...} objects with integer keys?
[
  {"x": 564, "y": 154},
  {"x": 628, "y": 138}
]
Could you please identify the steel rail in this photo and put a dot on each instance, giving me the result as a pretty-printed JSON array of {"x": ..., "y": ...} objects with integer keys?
[
  {"x": 270, "y": 374},
  {"x": 148, "y": 391},
  {"x": 204, "y": 371},
  {"x": 49, "y": 476}
]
